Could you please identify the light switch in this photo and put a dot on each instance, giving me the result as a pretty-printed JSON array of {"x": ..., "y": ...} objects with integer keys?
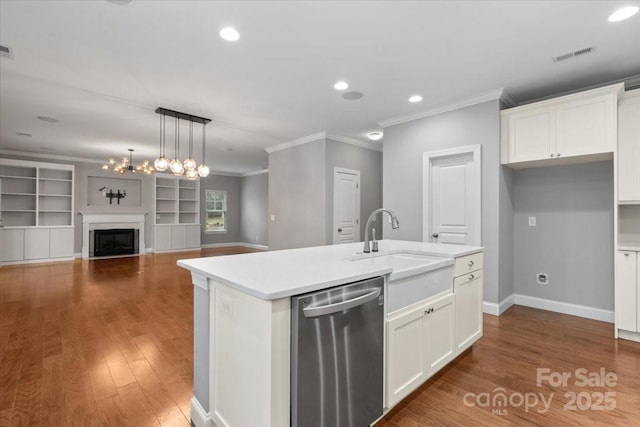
[{"x": 532, "y": 221}]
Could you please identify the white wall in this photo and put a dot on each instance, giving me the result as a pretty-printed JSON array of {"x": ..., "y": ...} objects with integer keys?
[
  {"x": 404, "y": 145},
  {"x": 254, "y": 209}
]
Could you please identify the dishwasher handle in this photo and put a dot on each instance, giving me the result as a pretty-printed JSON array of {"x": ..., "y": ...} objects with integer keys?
[{"x": 341, "y": 306}]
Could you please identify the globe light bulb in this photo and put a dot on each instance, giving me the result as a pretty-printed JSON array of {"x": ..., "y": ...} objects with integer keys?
[
  {"x": 191, "y": 174},
  {"x": 189, "y": 164},
  {"x": 161, "y": 163},
  {"x": 203, "y": 170},
  {"x": 176, "y": 167}
]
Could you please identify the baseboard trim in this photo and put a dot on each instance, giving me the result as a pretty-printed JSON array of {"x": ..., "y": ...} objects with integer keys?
[
  {"x": 549, "y": 305},
  {"x": 230, "y": 244},
  {"x": 167, "y": 251},
  {"x": 37, "y": 261},
  {"x": 497, "y": 309},
  {"x": 200, "y": 417},
  {"x": 628, "y": 335}
]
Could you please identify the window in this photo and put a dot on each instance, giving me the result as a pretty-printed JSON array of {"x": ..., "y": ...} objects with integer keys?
[{"x": 216, "y": 211}]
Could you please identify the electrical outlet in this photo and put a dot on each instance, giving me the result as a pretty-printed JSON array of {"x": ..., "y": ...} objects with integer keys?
[
  {"x": 273, "y": 217},
  {"x": 226, "y": 304},
  {"x": 542, "y": 279},
  {"x": 532, "y": 221}
]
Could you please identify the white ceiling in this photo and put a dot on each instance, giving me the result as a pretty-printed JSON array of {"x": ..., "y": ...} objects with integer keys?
[{"x": 102, "y": 68}]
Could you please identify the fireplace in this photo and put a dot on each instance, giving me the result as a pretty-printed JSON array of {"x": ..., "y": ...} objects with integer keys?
[{"x": 113, "y": 242}]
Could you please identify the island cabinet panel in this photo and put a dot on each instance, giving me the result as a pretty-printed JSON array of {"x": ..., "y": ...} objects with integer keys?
[
  {"x": 11, "y": 245},
  {"x": 420, "y": 341},
  {"x": 250, "y": 357},
  {"x": 467, "y": 287}
]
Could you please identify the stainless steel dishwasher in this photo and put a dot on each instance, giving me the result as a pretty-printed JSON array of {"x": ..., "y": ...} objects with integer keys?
[{"x": 336, "y": 355}]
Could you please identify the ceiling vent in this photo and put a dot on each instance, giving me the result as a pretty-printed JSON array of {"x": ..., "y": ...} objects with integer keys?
[
  {"x": 6, "y": 52},
  {"x": 573, "y": 54}
]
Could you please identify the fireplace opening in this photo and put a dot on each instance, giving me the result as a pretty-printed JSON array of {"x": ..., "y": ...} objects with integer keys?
[{"x": 116, "y": 241}]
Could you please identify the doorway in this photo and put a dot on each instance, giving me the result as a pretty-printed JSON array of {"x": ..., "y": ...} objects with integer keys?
[
  {"x": 346, "y": 205},
  {"x": 451, "y": 196}
]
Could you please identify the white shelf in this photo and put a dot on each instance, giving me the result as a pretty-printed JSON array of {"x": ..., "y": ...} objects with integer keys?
[
  {"x": 17, "y": 177},
  {"x": 19, "y": 194},
  {"x": 55, "y": 179},
  {"x": 55, "y": 195},
  {"x": 54, "y": 211},
  {"x": 18, "y": 210}
]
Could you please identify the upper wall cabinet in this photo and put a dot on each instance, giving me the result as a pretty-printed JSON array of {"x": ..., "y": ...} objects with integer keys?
[
  {"x": 571, "y": 129},
  {"x": 629, "y": 148}
]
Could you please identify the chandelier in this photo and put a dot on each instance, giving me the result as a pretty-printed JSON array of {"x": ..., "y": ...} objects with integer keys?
[
  {"x": 126, "y": 165},
  {"x": 189, "y": 167}
]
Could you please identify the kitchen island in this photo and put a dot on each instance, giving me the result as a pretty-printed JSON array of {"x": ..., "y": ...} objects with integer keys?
[{"x": 242, "y": 320}]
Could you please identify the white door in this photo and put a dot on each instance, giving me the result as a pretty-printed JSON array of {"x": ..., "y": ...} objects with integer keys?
[
  {"x": 451, "y": 196},
  {"x": 346, "y": 205}
]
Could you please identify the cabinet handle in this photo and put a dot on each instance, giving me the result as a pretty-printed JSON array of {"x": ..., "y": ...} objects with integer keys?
[
  {"x": 551, "y": 154},
  {"x": 626, "y": 254},
  {"x": 471, "y": 277},
  {"x": 428, "y": 311},
  {"x": 470, "y": 263},
  {"x": 558, "y": 154}
]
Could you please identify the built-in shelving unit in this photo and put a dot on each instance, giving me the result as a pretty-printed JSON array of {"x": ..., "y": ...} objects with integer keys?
[
  {"x": 36, "y": 209},
  {"x": 177, "y": 213}
]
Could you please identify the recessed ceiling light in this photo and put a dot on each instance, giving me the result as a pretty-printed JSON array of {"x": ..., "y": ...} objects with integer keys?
[
  {"x": 26, "y": 135},
  {"x": 415, "y": 98},
  {"x": 341, "y": 85},
  {"x": 48, "y": 119},
  {"x": 374, "y": 136},
  {"x": 227, "y": 149},
  {"x": 623, "y": 13},
  {"x": 121, "y": 2},
  {"x": 353, "y": 95},
  {"x": 229, "y": 34}
]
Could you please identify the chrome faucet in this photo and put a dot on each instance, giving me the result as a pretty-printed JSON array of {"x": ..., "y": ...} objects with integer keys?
[{"x": 394, "y": 224}]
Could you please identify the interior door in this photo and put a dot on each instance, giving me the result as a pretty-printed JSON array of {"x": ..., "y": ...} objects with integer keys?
[
  {"x": 346, "y": 205},
  {"x": 452, "y": 205}
]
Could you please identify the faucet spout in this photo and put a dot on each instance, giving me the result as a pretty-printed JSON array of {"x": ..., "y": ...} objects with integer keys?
[{"x": 394, "y": 224}]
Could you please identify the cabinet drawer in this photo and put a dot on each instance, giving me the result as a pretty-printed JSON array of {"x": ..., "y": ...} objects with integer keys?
[
  {"x": 466, "y": 278},
  {"x": 467, "y": 264}
]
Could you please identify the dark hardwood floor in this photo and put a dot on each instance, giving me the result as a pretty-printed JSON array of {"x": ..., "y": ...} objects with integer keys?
[{"x": 109, "y": 342}]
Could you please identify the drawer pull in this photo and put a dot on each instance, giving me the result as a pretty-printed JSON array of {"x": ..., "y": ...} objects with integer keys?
[
  {"x": 626, "y": 254},
  {"x": 470, "y": 263},
  {"x": 471, "y": 277}
]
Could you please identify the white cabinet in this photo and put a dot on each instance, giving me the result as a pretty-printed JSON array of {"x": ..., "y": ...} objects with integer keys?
[
  {"x": 176, "y": 213},
  {"x": 467, "y": 288},
  {"x": 627, "y": 291},
  {"x": 581, "y": 126},
  {"x": 420, "y": 341},
  {"x": 36, "y": 243},
  {"x": 629, "y": 148},
  {"x": 61, "y": 242},
  {"x": 11, "y": 245}
]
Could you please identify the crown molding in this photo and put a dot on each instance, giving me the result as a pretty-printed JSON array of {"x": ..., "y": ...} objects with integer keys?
[
  {"x": 352, "y": 141},
  {"x": 479, "y": 99},
  {"x": 507, "y": 99},
  {"x": 259, "y": 172},
  {"x": 320, "y": 136},
  {"x": 289, "y": 144},
  {"x": 49, "y": 156}
]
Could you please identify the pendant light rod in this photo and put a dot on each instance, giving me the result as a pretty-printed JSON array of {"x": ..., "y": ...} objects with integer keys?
[
  {"x": 183, "y": 116},
  {"x": 163, "y": 132}
]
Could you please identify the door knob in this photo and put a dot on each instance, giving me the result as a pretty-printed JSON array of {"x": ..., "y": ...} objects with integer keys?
[
  {"x": 339, "y": 230},
  {"x": 435, "y": 235}
]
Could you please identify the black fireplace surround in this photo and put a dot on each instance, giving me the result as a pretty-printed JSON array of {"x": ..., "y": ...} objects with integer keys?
[{"x": 113, "y": 242}]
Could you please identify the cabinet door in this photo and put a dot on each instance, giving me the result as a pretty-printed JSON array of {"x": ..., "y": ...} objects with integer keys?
[
  {"x": 12, "y": 245},
  {"x": 36, "y": 243},
  {"x": 626, "y": 291},
  {"x": 531, "y": 135},
  {"x": 162, "y": 238},
  {"x": 193, "y": 236},
  {"x": 178, "y": 237},
  {"x": 406, "y": 354},
  {"x": 586, "y": 126},
  {"x": 61, "y": 243},
  {"x": 440, "y": 333},
  {"x": 468, "y": 294},
  {"x": 629, "y": 150}
]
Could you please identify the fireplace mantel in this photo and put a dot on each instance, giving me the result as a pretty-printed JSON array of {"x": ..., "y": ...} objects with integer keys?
[{"x": 105, "y": 220}]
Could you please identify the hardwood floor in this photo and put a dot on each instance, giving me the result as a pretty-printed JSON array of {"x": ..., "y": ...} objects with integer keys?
[{"x": 109, "y": 342}]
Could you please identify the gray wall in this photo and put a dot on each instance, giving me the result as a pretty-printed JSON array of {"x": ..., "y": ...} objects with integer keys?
[
  {"x": 369, "y": 163},
  {"x": 254, "y": 209},
  {"x": 402, "y": 183},
  {"x": 232, "y": 185},
  {"x": 573, "y": 239},
  {"x": 297, "y": 196}
]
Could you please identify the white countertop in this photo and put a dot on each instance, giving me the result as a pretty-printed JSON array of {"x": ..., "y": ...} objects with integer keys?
[{"x": 279, "y": 274}]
